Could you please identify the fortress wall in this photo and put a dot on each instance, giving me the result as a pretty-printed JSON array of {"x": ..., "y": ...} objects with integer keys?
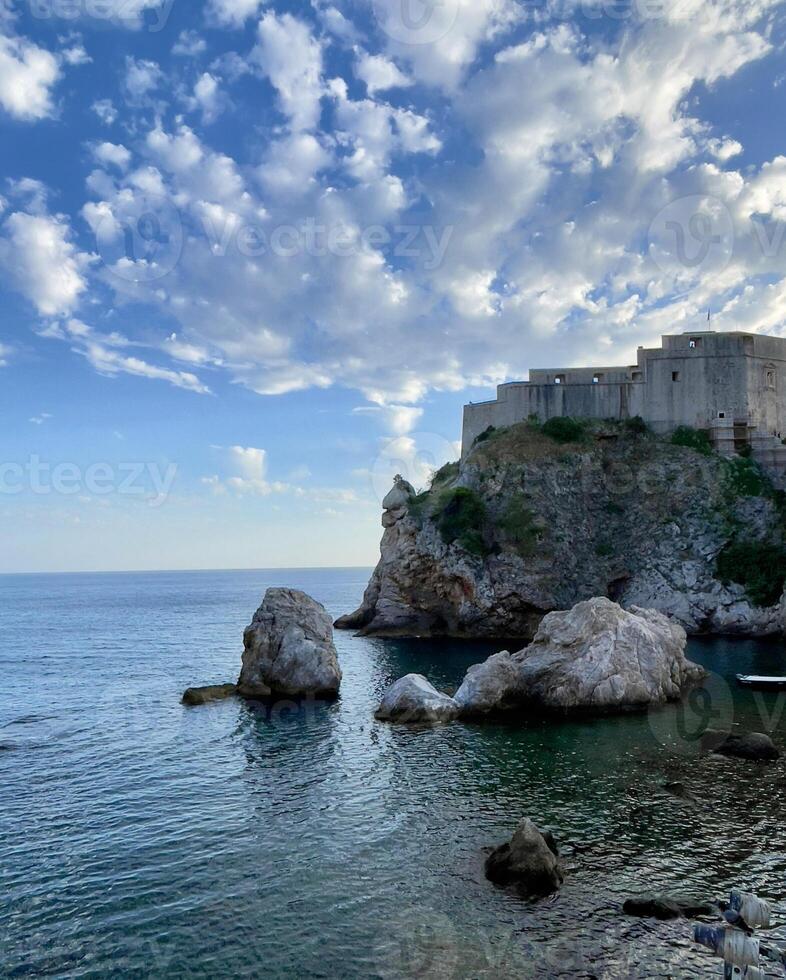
[
  {"x": 516, "y": 402},
  {"x": 692, "y": 389}
]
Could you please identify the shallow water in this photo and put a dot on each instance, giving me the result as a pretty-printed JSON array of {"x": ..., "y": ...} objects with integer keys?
[{"x": 142, "y": 838}]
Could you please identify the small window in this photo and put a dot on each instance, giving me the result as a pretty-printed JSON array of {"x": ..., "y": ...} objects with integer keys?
[
  {"x": 694, "y": 343},
  {"x": 675, "y": 375},
  {"x": 721, "y": 415},
  {"x": 638, "y": 376},
  {"x": 770, "y": 379},
  {"x": 560, "y": 379},
  {"x": 597, "y": 378}
]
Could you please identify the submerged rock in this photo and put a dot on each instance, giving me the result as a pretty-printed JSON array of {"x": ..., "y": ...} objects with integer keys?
[
  {"x": 289, "y": 649},
  {"x": 413, "y": 700},
  {"x": 668, "y": 907},
  {"x": 529, "y": 861},
  {"x": 205, "y": 695},
  {"x": 597, "y": 656},
  {"x": 754, "y": 746}
]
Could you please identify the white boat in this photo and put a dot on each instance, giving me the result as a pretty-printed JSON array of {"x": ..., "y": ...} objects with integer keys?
[{"x": 762, "y": 683}]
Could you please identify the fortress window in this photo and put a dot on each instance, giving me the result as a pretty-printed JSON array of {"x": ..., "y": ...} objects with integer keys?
[
  {"x": 675, "y": 375},
  {"x": 638, "y": 376},
  {"x": 597, "y": 378},
  {"x": 694, "y": 343},
  {"x": 560, "y": 379},
  {"x": 721, "y": 415},
  {"x": 770, "y": 379}
]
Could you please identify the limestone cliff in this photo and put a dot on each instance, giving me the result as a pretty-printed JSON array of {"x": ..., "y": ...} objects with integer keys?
[{"x": 535, "y": 520}]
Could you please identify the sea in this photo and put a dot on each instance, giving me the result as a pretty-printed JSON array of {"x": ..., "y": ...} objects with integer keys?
[{"x": 142, "y": 838}]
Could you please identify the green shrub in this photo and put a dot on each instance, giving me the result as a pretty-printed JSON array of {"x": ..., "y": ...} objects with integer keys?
[
  {"x": 637, "y": 426},
  {"x": 612, "y": 507},
  {"x": 564, "y": 429},
  {"x": 746, "y": 479},
  {"x": 445, "y": 473},
  {"x": 418, "y": 505},
  {"x": 485, "y": 435},
  {"x": 517, "y": 524},
  {"x": 461, "y": 519},
  {"x": 758, "y": 566},
  {"x": 604, "y": 549},
  {"x": 696, "y": 439}
]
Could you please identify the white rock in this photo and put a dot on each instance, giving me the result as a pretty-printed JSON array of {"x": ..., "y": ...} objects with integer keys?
[
  {"x": 289, "y": 648},
  {"x": 399, "y": 496},
  {"x": 412, "y": 699},
  {"x": 597, "y": 656},
  {"x": 490, "y": 687}
]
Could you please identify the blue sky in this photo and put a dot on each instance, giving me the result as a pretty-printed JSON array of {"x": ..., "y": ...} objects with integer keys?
[{"x": 254, "y": 256}]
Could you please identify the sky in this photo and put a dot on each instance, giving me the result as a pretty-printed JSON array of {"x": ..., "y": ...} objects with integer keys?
[{"x": 255, "y": 255}]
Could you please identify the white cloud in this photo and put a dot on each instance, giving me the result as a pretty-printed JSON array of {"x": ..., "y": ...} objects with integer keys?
[
  {"x": 207, "y": 97},
  {"x": 234, "y": 13},
  {"x": 112, "y": 153},
  {"x": 27, "y": 76},
  {"x": 40, "y": 419},
  {"x": 105, "y": 111},
  {"x": 379, "y": 73},
  {"x": 5, "y": 353},
  {"x": 42, "y": 262},
  {"x": 141, "y": 78},
  {"x": 109, "y": 362},
  {"x": 189, "y": 44},
  {"x": 291, "y": 58}
]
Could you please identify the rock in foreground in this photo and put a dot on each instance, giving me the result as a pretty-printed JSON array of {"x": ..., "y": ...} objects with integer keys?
[
  {"x": 289, "y": 649},
  {"x": 596, "y": 657},
  {"x": 754, "y": 746},
  {"x": 527, "y": 861},
  {"x": 205, "y": 695},
  {"x": 667, "y": 907},
  {"x": 413, "y": 700}
]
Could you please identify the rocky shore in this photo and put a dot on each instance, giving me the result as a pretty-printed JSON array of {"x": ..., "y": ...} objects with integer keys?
[{"x": 531, "y": 522}]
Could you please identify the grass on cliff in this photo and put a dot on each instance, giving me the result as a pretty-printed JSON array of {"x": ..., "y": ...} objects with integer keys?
[
  {"x": 758, "y": 566},
  {"x": 461, "y": 518},
  {"x": 696, "y": 439},
  {"x": 517, "y": 524}
]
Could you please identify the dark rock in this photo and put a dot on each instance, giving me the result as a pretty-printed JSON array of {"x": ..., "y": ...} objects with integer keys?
[
  {"x": 528, "y": 861},
  {"x": 680, "y": 790},
  {"x": 205, "y": 695},
  {"x": 754, "y": 746},
  {"x": 667, "y": 907}
]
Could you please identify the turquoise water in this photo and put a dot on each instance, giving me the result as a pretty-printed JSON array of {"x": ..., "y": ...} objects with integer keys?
[{"x": 139, "y": 838}]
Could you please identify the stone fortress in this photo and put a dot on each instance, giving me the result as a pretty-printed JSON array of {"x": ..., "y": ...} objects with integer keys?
[{"x": 731, "y": 384}]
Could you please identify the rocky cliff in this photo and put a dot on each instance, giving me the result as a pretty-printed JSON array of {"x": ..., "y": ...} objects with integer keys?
[{"x": 536, "y": 519}]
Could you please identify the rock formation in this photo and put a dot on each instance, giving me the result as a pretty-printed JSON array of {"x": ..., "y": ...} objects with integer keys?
[
  {"x": 412, "y": 700},
  {"x": 527, "y": 861},
  {"x": 619, "y": 513},
  {"x": 595, "y": 657},
  {"x": 289, "y": 649},
  {"x": 754, "y": 746},
  {"x": 205, "y": 695}
]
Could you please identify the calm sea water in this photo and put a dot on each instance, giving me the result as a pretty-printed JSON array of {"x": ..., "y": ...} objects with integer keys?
[{"x": 139, "y": 838}]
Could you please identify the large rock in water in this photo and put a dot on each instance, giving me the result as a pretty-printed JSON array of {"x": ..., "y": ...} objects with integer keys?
[
  {"x": 413, "y": 700},
  {"x": 597, "y": 656},
  {"x": 289, "y": 649},
  {"x": 527, "y": 861}
]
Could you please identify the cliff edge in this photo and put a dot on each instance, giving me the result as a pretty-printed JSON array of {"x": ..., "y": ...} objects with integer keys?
[{"x": 537, "y": 518}]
